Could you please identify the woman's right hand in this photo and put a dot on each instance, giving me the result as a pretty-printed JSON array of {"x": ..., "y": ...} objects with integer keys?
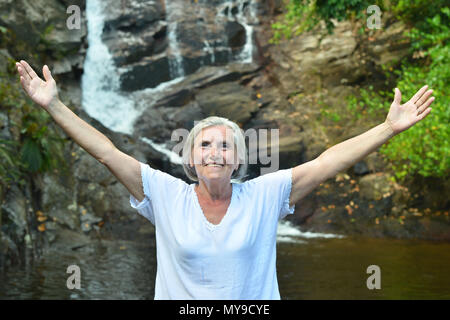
[{"x": 42, "y": 92}]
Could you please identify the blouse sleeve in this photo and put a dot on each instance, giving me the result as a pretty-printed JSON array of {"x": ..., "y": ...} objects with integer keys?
[
  {"x": 156, "y": 185},
  {"x": 284, "y": 183},
  {"x": 276, "y": 186}
]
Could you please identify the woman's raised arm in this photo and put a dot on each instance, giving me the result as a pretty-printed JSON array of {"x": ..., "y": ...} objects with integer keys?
[
  {"x": 45, "y": 93},
  {"x": 342, "y": 156}
]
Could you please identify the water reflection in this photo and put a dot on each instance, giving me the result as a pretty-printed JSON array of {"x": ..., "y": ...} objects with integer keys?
[
  {"x": 308, "y": 268},
  {"x": 109, "y": 270},
  {"x": 336, "y": 269}
]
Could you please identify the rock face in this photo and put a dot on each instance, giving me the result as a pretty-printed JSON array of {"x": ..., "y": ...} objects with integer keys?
[
  {"x": 156, "y": 41},
  {"x": 318, "y": 69},
  {"x": 222, "y": 50}
]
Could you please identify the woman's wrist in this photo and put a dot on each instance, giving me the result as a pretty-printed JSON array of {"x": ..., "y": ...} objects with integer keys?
[
  {"x": 53, "y": 105},
  {"x": 389, "y": 128}
]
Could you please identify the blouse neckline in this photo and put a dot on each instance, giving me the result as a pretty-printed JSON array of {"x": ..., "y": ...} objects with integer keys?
[{"x": 211, "y": 226}]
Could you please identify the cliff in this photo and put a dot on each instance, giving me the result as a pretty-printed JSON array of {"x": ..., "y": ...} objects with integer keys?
[{"x": 282, "y": 86}]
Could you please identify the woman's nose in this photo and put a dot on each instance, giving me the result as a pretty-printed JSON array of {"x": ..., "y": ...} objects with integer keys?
[{"x": 213, "y": 151}]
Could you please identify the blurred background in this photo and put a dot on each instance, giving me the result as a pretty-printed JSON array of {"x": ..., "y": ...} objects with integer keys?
[{"x": 320, "y": 72}]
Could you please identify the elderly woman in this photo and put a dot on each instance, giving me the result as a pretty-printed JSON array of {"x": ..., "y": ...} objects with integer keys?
[{"x": 216, "y": 239}]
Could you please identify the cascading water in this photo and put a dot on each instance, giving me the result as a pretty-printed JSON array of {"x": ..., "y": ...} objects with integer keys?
[
  {"x": 173, "y": 8},
  {"x": 246, "y": 19},
  {"x": 102, "y": 98},
  {"x": 240, "y": 11},
  {"x": 100, "y": 83}
]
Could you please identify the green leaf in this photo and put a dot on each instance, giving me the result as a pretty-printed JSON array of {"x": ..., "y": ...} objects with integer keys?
[{"x": 31, "y": 155}]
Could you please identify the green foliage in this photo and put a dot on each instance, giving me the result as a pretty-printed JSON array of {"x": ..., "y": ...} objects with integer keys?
[
  {"x": 340, "y": 10},
  {"x": 42, "y": 149},
  {"x": 369, "y": 104},
  {"x": 424, "y": 148},
  {"x": 303, "y": 15},
  {"x": 327, "y": 113},
  {"x": 35, "y": 147},
  {"x": 297, "y": 19},
  {"x": 416, "y": 12},
  {"x": 10, "y": 166}
]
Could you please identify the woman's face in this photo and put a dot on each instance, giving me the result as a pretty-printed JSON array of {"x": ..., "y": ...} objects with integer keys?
[{"x": 214, "y": 153}]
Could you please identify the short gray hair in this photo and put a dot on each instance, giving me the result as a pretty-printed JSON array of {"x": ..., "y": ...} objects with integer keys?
[{"x": 239, "y": 142}]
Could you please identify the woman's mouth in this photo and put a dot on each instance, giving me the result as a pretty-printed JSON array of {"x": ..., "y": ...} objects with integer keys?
[{"x": 214, "y": 165}]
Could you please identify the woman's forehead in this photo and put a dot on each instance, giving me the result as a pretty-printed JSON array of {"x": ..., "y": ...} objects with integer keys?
[{"x": 216, "y": 133}]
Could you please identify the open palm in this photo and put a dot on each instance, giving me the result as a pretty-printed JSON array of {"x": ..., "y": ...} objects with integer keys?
[
  {"x": 41, "y": 92},
  {"x": 404, "y": 116}
]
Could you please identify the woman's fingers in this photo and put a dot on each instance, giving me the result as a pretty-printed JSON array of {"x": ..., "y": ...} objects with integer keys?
[
  {"x": 47, "y": 73},
  {"x": 25, "y": 85},
  {"x": 30, "y": 70},
  {"x": 397, "y": 96},
  {"x": 419, "y": 94},
  {"x": 23, "y": 72},
  {"x": 424, "y": 98},
  {"x": 424, "y": 106},
  {"x": 423, "y": 114}
]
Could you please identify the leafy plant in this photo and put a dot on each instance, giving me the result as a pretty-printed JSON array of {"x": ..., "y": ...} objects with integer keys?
[
  {"x": 424, "y": 148},
  {"x": 303, "y": 15},
  {"x": 298, "y": 18},
  {"x": 35, "y": 147}
]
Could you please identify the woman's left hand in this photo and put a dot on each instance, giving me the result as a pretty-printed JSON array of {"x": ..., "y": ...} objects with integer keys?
[{"x": 404, "y": 116}]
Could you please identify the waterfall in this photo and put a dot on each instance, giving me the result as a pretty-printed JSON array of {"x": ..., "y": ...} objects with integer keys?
[
  {"x": 245, "y": 14},
  {"x": 242, "y": 17},
  {"x": 162, "y": 148},
  {"x": 173, "y": 8},
  {"x": 101, "y": 95},
  {"x": 101, "y": 98},
  {"x": 246, "y": 55}
]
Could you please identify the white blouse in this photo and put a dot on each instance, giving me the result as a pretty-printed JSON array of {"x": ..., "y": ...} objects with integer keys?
[{"x": 196, "y": 259}]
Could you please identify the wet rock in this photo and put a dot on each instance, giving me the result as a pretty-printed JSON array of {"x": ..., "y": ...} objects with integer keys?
[
  {"x": 9, "y": 252},
  {"x": 236, "y": 34},
  {"x": 375, "y": 186},
  {"x": 360, "y": 168},
  {"x": 229, "y": 100},
  {"x": 131, "y": 15},
  {"x": 15, "y": 207},
  {"x": 88, "y": 220},
  {"x": 315, "y": 57},
  {"x": 147, "y": 73},
  {"x": 57, "y": 197},
  {"x": 137, "y": 36},
  {"x": 42, "y": 24},
  {"x": 193, "y": 93},
  {"x": 4, "y": 127},
  {"x": 5, "y": 58}
]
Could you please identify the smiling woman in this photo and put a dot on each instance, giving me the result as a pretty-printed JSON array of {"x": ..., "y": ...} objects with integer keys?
[
  {"x": 214, "y": 159},
  {"x": 217, "y": 239},
  {"x": 226, "y": 131}
]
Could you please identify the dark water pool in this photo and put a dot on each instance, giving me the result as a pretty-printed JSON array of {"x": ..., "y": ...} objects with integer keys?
[{"x": 308, "y": 268}]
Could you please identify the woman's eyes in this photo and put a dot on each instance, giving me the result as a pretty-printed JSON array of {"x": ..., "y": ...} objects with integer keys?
[{"x": 205, "y": 144}]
